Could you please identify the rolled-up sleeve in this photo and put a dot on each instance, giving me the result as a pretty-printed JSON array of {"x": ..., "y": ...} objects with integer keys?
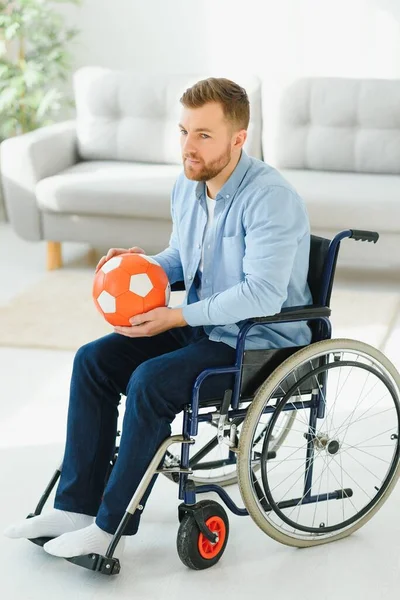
[{"x": 274, "y": 222}]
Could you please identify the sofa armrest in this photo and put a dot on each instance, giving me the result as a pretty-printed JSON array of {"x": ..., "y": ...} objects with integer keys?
[{"x": 24, "y": 161}]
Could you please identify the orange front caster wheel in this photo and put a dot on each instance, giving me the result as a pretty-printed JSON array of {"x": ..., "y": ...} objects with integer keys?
[{"x": 195, "y": 548}]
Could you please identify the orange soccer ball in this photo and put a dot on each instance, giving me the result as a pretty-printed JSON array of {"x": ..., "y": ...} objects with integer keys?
[{"x": 129, "y": 285}]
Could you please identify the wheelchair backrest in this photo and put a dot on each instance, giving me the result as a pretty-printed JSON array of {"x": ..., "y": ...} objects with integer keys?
[{"x": 319, "y": 248}]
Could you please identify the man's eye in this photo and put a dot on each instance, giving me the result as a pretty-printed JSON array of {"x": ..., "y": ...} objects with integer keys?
[
  {"x": 183, "y": 132},
  {"x": 204, "y": 136}
]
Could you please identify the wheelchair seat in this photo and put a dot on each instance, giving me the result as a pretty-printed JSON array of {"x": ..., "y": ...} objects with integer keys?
[{"x": 257, "y": 366}]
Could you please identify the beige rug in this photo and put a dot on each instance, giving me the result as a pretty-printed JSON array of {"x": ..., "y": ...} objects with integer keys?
[{"x": 58, "y": 313}]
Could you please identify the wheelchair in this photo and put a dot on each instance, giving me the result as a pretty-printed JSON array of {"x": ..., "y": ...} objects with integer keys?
[{"x": 311, "y": 435}]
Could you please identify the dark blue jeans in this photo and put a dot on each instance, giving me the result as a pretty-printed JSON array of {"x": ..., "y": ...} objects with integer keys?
[{"x": 156, "y": 375}]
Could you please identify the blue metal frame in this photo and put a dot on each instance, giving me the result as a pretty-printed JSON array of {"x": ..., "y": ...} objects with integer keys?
[{"x": 192, "y": 417}]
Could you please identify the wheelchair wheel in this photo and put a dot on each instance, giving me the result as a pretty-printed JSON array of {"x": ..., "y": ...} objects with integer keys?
[
  {"x": 194, "y": 549},
  {"x": 214, "y": 463},
  {"x": 340, "y": 462}
]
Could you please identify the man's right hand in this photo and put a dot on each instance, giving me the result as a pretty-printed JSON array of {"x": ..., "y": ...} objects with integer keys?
[{"x": 116, "y": 252}]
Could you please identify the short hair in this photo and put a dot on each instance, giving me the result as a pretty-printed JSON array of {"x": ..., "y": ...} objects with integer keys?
[{"x": 231, "y": 96}]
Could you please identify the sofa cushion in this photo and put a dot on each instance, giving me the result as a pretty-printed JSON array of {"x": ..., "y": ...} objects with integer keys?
[
  {"x": 348, "y": 200},
  {"x": 338, "y": 124},
  {"x": 110, "y": 188},
  {"x": 123, "y": 115}
]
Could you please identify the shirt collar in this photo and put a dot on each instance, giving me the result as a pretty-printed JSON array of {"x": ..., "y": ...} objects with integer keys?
[{"x": 231, "y": 185}]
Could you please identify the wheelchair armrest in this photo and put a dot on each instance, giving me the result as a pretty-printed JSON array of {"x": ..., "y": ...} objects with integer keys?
[{"x": 296, "y": 313}]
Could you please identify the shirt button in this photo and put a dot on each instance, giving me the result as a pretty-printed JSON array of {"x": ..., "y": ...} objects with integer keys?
[
  {"x": 199, "y": 246},
  {"x": 209, "y": 246},
  {"x": 227, "y": 195},
  {"x": 190, "y": 277},
  {"x": 206, "y": 280}
]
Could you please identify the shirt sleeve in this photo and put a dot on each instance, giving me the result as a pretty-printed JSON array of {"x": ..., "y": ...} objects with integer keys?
[
  {"x": 169, "y": 258},
  {"x": 274, "y": 223}
]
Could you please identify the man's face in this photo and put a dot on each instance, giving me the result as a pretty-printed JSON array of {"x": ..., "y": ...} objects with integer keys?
[{"x": 206, "y": 141}]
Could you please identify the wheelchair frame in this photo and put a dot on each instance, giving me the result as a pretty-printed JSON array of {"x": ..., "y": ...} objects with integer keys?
[{"x": 229, "y": 409}]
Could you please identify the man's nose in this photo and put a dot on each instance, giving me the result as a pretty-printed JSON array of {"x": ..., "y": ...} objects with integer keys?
[{"x": 189, "y": 146}]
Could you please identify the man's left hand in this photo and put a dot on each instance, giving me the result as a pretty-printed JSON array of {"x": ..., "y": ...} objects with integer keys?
[{"x": 153, "y": 322}]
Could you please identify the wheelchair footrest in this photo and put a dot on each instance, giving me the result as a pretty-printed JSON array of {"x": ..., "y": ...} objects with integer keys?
[
  {"x": 96, "y": 562},
  {"x": 40, "y": 541}
]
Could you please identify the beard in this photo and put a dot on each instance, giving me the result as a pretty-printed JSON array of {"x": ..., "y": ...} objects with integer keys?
[{"x": 207, "y": 171}]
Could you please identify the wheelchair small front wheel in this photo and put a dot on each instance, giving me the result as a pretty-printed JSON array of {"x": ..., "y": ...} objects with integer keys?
[{"x": 195, "y": 550}]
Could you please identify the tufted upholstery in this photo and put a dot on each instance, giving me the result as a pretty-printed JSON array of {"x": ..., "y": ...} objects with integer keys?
[
  {"x": 128, "y": 116},
  {"x": 106, "y": 178},
  {"x": 334, "y": 124}
]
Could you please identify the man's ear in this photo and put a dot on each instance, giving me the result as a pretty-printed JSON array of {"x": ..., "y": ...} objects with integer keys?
[{"x": 239, "y": 139}]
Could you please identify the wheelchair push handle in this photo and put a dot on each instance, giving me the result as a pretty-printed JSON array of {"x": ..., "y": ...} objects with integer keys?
[{"x": 364, "y": 236}]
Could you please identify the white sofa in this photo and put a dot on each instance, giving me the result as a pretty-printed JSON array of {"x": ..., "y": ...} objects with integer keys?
[
  {"x": 106, "y": 177},
  {"x": 338, "y": 143}
]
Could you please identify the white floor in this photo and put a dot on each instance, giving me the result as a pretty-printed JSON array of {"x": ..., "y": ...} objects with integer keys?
[{"x": 33, "y": 401}]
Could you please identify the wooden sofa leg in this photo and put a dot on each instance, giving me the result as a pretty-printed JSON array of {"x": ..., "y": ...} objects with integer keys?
[{"x": 54, "y": 256}]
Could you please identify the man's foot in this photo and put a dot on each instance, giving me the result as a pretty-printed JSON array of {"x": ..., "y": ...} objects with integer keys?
[
  {"x": 50, "y": 524},
  {"x": 89, "y": 540}
]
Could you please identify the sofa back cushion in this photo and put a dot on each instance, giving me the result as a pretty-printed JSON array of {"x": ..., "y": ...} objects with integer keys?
[
  {"x": 128, "y": 116},
  {"x": 338, "y": 124}
]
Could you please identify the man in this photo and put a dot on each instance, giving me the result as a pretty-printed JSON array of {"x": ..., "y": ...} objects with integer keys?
[{"x": 240, "y": 241}]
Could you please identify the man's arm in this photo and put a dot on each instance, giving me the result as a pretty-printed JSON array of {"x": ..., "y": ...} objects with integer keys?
[
  {"x": 274, "y": 224},
  {"x": 169, "y": 258}
]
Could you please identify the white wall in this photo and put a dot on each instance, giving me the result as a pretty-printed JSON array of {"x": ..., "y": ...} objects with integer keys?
[
  {"x": 280, "y": 38},
  {"x": 277, "y": 39},
  {"x": 162, "y": 35}
]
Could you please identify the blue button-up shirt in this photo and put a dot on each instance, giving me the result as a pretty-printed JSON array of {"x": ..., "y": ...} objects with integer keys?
[{"x": 256, "y": 255}]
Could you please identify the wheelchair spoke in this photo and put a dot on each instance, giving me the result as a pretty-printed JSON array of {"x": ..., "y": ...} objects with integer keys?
[
  {"x": 373, "y": 437},
  {"x": 328, "y": 458},
  {"x": 366, "y": 468},
  {"x": 319, "y": 492},
  {"x": 359, "y": 402},
  {"x": 292, "y": 486},
  {"x": 375, "y": 414},
  {"x": 301, "y": 500},
  {"x": 298, "y": 413},
  {"x": 345, "y": 471},
  {"x": 341, "y": 487},
  {"x": 218, "y": 468},
  {"x": 368, "y": 454},
  {"x": 338, "y": 482},
  {"x": 364, "y": 413},
  {"x": 332, "y": 409},
  {"x": 287, "y": 458}
]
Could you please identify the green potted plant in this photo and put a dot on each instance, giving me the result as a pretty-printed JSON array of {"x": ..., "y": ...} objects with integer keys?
[{"x": 34, "y": 64}]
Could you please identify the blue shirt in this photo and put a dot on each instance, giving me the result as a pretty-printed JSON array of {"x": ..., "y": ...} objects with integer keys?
[{"x": 256, "y": 255}]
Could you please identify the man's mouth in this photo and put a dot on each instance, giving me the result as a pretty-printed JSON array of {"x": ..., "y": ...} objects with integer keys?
[{"x": 192, "y": 161}]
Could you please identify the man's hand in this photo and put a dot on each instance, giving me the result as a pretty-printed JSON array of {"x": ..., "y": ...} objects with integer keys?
[
  {"x": 116, "y": 252},
  {"x": 153, "y": 322}
]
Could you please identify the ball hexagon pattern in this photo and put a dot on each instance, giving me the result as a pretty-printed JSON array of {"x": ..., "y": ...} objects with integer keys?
[{"x": 128, "y": 285}]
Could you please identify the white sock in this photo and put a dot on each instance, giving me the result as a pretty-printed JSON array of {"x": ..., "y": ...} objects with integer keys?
[
  {"x": 82, "y": 542},
  {"x": 50, "y": 524}
]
